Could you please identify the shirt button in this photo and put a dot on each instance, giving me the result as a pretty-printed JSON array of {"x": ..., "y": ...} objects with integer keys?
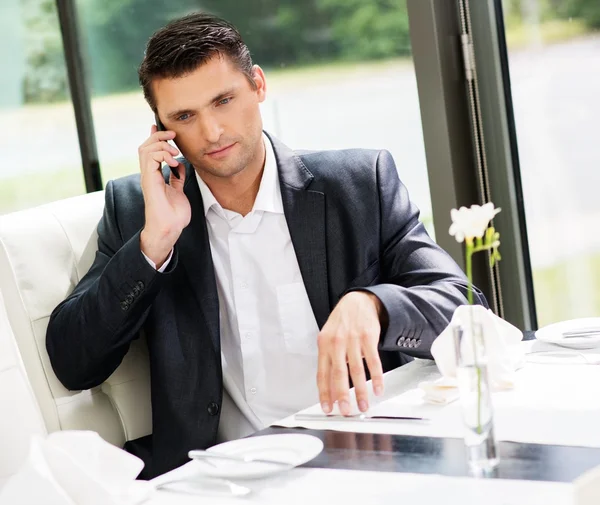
[
  {"x": 244, "y": 285},
  {"x": 213, "y": 408},
  {"x": 248, "y": 335},
  {"x": 253, "y": 391}
]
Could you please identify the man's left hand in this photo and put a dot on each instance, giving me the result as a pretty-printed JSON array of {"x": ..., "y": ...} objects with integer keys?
[{"x": 350, "y": 334}]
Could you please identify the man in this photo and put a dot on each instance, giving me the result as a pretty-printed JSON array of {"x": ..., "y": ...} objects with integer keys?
[{"x": 259, "y": 275}]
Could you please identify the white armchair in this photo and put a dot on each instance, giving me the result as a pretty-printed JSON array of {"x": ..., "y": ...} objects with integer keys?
[
  {"x": 20, "y": 417},
  {"x": 44, "y": 252}
]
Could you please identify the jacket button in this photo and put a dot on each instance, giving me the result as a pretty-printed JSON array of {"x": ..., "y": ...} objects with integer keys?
[
  {"x": 140, "y": 285},
  {"x": 129, "y": 299},
  {"x": 124, "y": 306},
  {"x": 213, "y": 408},
  {"x": 400, "y": 341}
]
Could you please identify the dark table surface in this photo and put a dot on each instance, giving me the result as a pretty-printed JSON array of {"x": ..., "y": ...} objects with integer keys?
[{"x": 444, "y": 456}]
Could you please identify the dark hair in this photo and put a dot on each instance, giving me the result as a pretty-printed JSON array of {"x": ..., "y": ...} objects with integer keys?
[{"x": 187, "y": 43}]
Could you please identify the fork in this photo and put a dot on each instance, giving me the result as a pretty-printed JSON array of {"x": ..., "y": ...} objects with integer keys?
[
  {"x": 229, "y": 487},
  {"x": 207, "y": 455}
]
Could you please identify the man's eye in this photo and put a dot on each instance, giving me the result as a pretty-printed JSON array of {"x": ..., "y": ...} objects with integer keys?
[
  {"x": 225, "y": 101},
  {"x": 183, "y": 117}
]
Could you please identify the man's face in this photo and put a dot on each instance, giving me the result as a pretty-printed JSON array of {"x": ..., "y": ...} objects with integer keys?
[{"x": 215, "y": 113}]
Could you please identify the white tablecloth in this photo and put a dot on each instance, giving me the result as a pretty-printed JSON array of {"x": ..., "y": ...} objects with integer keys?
[
  {"x": 556, "y": 404},
  {"x": 324, "y": 486}
]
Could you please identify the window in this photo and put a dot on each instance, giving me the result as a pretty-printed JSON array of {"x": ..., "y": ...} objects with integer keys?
[
  {"x": 554, "y": 58},
  {"x": 339, "y": 74},
  {"x": 40, "y": 150}
]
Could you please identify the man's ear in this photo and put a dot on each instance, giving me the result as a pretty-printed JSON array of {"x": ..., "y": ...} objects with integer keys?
[{"x": 260, "y": 82}]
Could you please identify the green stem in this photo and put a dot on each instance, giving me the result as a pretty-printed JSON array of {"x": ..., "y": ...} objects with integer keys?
[
  {"x": 479, "y": 427},
  {"x": 469, "y": 267},
  {"x": 477, "y": 249},
  {"x": 468, "y": 261}
]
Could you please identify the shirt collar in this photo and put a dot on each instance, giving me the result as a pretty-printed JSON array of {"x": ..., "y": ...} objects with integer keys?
[{"x": 268, "y": 198}]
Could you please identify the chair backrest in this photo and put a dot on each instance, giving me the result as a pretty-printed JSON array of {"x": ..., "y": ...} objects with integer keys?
[
  {"x": 44, "y": 252},
  {"x": 20, "y": 417}
]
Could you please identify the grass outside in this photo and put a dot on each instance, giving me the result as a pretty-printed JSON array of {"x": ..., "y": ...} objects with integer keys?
[
  {"x": 322, "y": 73},
  {"x": 519, "y": 35},
  {"x": 568, "y": 289},
  {"x": 35, "y": 189}
]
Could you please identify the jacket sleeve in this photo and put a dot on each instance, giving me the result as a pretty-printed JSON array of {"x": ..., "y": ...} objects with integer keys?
[
  {"x": 423, "y": 284},
  {"x": 89, "y": 333}
]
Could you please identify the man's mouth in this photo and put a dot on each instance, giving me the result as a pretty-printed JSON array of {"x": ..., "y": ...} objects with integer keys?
[{"x": 221, "y": 151}]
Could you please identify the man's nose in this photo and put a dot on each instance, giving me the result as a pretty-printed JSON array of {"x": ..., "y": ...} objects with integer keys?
[{"x": 211, "y": 130}]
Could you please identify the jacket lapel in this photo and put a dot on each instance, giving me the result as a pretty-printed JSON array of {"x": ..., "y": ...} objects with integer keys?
[
  {"x": 305, "y": 214},
  {"x": 195, "y": 255}
]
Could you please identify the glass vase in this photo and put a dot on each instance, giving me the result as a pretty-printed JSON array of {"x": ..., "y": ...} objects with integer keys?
[{"x": 475, "y": 398}]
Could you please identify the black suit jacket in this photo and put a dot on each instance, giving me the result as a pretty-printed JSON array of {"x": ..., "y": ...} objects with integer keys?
[{"x": 352, "y": 226}]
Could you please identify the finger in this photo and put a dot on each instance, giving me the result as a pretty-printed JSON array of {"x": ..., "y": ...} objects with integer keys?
[
  {"x": 357, "y": 372},
  {"x": 161, "y": 156},
  {"x": 161, "y": 146},
  {"x": 323, "y": 382},
  {"x": 158, "y": 136},
  {"x": 153, "y": 129},
  {"x": 175, "y": 181},
  {"x": 339, "y": 372},
  {"x": 374, "y": 365}
]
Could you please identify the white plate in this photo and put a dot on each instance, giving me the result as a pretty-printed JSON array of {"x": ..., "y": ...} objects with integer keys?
[
  {"x": 553, "y": 333},
  {"x": 292, "y": 448}
]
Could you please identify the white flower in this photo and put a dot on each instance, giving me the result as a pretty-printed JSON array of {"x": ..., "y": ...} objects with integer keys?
[{"x": 471, "y": 223}]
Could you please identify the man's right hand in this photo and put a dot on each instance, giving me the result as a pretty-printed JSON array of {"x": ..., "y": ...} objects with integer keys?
[{"x": 167, "y": 209}]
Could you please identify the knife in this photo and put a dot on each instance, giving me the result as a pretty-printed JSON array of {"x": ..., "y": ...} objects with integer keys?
[
  {"x": 356, "y": 417},
  {"x": 583, "y": 332}
]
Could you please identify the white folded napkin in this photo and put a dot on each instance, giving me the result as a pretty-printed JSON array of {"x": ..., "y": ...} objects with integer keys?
[
  {"x": 502, "y": 347},
  {"x": 441, "y": 392},
  {"x": 76, "y": 468}
]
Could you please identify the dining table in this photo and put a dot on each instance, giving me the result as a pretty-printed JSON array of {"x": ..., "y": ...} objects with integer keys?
[{"x": 547, "y": 429}]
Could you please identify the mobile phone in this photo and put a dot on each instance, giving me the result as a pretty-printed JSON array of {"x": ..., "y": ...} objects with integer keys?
[{"x": 161, "y": 128}]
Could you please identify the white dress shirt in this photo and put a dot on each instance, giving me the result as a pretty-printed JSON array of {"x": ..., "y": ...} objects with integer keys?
[{"x": 268, "y": 329}]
